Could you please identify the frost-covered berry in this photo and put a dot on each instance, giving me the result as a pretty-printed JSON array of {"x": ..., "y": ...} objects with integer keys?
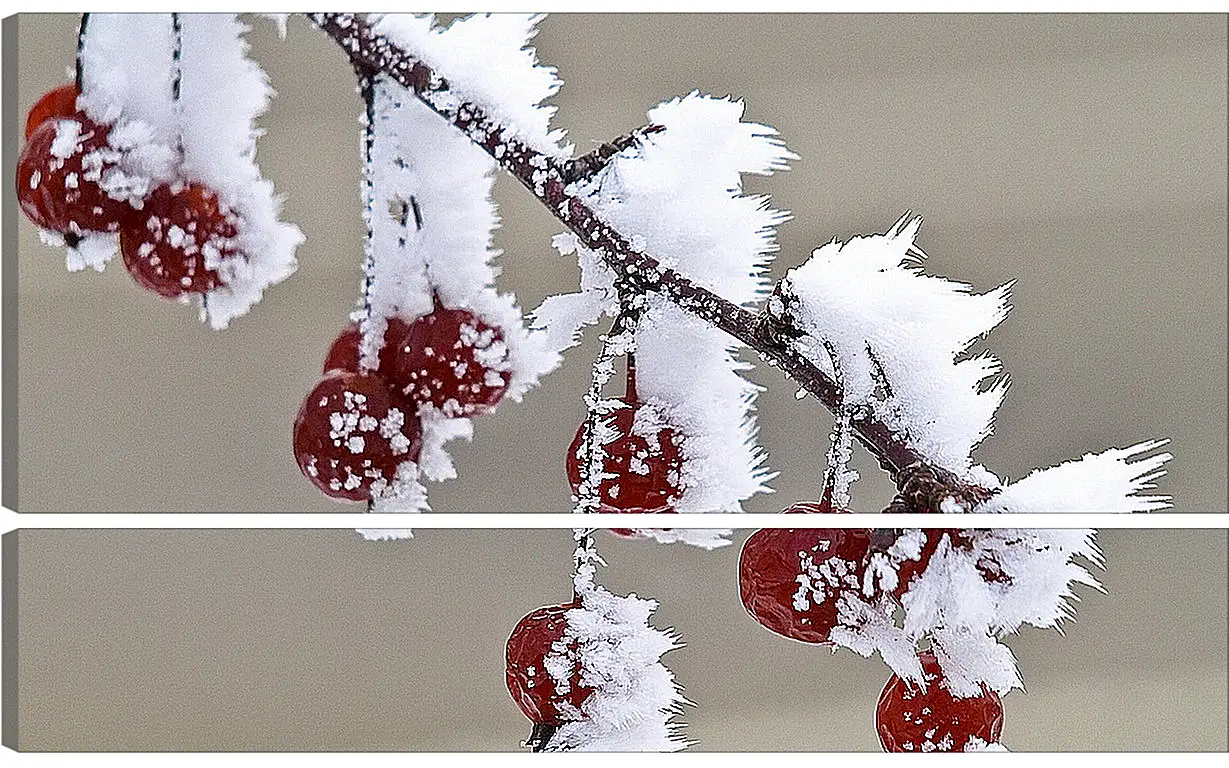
[
  {"x": 911, "y": 720},
  {"x": 59, "y": 102},
  {"x": 177, "y": 243},
  {"x": 452, "y": 360},
  {"x": 908, "y": 570},
  {"x": 543, "y": 670},
  {"x": 60, "y": 175},
  {"x": 791, "y": 579},
  {"x": 343, "y": 355},
  {"x": 643, "y": 464},
  {"x": 351, "y": 434}
]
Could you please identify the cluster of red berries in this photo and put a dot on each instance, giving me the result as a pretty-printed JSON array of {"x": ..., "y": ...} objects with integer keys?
[
  {"x": 173, "y": 240},
  {"x": 642, "y": 473},
  {"x": 356, "y": 427},
  {"x": 791, "y": 581}
]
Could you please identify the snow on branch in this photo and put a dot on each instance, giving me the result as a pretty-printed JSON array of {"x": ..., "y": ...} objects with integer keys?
[
  {"x": 899, "y": 336},
  {"x": 547, "y": 177},
  {"x": 675, "y": 191},
  {"x": 431, "y": 218},
  {"x": 222, "y": 93},
  {"x": 1110, "y": 482},
  {"x": 488, "y": 64}
]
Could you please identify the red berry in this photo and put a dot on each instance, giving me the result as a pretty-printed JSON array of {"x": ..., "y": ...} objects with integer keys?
[
  {"x": 910, "y": 720},
  {"x": 343, "y": 354},
  {"x": 453, "y": 360},
  {"x": 175, "y": 245},
  {"x": 350, "y": 435},
  {"x": 542, "y": 698},
  {"x": 646, "y": 473},
  {"x": 908, "y": 570},
  {"x": 790, "y": 579},
  {"x": 58, "y": 175},
  {"x": 59, "y": 102}
]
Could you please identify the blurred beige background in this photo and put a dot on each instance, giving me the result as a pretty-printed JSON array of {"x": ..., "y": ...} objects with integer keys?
[
  {"x": 1084, "y": 156},
  {"x": 317, "y": 640}
]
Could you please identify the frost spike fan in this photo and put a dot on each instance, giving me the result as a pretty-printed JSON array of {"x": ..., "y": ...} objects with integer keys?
[{"x": 546, "y": 177}]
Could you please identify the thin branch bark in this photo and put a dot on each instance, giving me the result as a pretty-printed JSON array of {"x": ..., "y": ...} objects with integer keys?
[{"x": 547, "y": 177}]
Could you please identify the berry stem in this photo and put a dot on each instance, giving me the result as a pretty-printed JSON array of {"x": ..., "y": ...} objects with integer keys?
[
  {"x": 592, "y": 458},
  {"x": 366, "y": 86},
  {"x": 632, "y": 396},
  {"x": 583, "y": 558},
  {"x": 176, "y": 55},
  {"x": 540, "y": 736},
  {"x": 80, "y": 66}
]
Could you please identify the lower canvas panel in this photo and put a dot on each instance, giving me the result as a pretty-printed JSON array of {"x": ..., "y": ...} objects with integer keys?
[{"x": 318, "y": 640}]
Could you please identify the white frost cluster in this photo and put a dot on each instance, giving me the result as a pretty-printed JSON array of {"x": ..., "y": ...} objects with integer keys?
[
  {"x": 677, "y": 196},
  {"x": 973, "y": 592},
  {"x": 487, "y": 62},
  {"x": 963, "y": 614},
  {"x": 431, "y": 218},
  {"x": 899, "y": 337},
  {"x": 208, "y": 135},
  {"x": 619, "y": 655},
  {"x": 988, "y": 585},
  {"x": 1110, "y": 482},
  {"x": 896, "y": 341},
  {"x": 405, "y": 495}
]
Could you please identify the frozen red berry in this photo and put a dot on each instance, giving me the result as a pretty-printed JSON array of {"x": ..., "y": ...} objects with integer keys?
[
  {"x": 790, "y": 580},
  {"x": 543, "y": 668},
  {"x": 452, "y": 360},
  {"x": 343, "y": 355},
  {"x": 909, "y": 570},
  {"x": 350, "y": 435},
  {"x": 643, "y": 463},
  {"x": 59, "y": 102},
  {"x": 176, "y": 244},
  {"x": 61, "y": 173},
  {"x": 912, "y": 720}
]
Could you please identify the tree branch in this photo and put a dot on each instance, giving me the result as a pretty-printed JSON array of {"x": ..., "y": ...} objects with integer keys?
[{"x": 547, "y": 178}]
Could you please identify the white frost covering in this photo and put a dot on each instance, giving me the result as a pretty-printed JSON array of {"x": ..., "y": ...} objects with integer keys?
[
  {"x": 619, "y": 655},
  {"x": 704, "y": 538},
  {"x": 677, "y": 198},
  {"x": 971, "y": 593},
  {"x": 486, "y": 61},
  {"x": 221, "y": 95},
  {"x": 976, "y": 744},
  {"x": 207, "y": 136},
  {"x": 432, "y": 217},
  {"x": 1109, "y": 482},
  {"x": 94, "y": 249},
  {"x": 992, "y": 582},
  {"x": 900, "y": 336},
  {"x": 405, "y": 495},
  {"x": 126, "y": 84}
]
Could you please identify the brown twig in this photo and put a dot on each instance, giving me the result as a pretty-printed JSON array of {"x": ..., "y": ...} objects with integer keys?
[{"x": 547, "y": 177}]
